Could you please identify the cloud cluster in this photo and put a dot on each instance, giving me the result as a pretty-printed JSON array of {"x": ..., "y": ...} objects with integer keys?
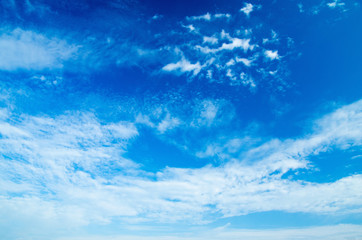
[
  {"x": 71, "y": 167},
  {"x": 215, "y": 50},
  {"x": 316, "y": 8}
]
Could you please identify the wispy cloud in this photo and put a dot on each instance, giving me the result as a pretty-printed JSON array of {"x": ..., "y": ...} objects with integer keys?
[
  {"x": 234, "y": 43},
  {"x": 209, "y": 17},
  {"x": 168, "y": 123},
  {"x": 211, "y": 40},
  {"x": 183, "y": 66},
  {"x": 77, "y": 163},
  {"x": 334, "y": 232},
  {"x": 317, "y": 7},
  {"x": 29, "y": 50},
  {"x": 206, "y": 17},
  {"x": 207, "y": 113}
]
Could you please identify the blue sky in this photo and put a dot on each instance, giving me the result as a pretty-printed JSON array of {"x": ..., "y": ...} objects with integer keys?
[{"x": 141, "y": 120}]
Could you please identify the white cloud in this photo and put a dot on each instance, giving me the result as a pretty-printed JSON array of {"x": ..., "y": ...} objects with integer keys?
[
  {"x": 143, "y": 119},
  {"x": 330, "y": 232},
  {"x": 48, "y": 166},
  {"x": 71, "y": 167},
  {"x": 245, "y": 61},
  {"x": 206, "y": 17},
  {"x": 206, "y": 113},
  {"x": 156, "y": 17},
  {"x": 122, "y": 130},
  {"x": 209, "y": 74},
  {"x": 300, "y": 7},
  {"x": 210, "y": 40},
  {"x": 335, "y": 3},
  {"x": 183, "y": 66},
  {"x": 209, "y": 17},
  {"x": 209, "y": 112},
  {"x": 246, "y": 80},
  {"x": 341, "y": 5},
  {"x": 225, "y": 150},
  {"x": 237, "y": 43},
  {"x": 222, "y": 15},
  {"x": 230, "y": 74},
  {"x": 225, "y": 35},
  {"x": 234, "y": 43},
  {"x": 190, "y": 27},
  {"x": 211, "y": 44},
  {"x": 231, "y": 62},
  {"x": 357, "y": 156},
  {"x": 272, "y": 55},
  {"x": 274, "y": 38},
  {"x": 160, "y": 119},
  {"x": 247, "y": 9},
  {"x": 168, "y": 123},
  {"x": 33, "y": 51}
]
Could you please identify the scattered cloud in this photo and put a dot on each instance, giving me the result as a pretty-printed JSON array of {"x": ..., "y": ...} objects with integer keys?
[{"x": 222, "y": 54}]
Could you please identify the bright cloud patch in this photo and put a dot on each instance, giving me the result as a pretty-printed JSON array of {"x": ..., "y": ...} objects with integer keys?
[
  {"x": 183, "y": 66},
  {"x": 335, "y": 4},
  {"x": 206, "y": 17},
  {"x": 209, "y": 17},
  {"x": 272, "y": 55},
  {"x": 67, "y": 156},
  {"x": 211, "y": 40},
  {"x": 247, "y": 9},
  {"x": 32, "y": 51}
]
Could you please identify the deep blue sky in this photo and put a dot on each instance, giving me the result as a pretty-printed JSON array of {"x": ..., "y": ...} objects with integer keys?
[{"x": 128, "y": 119}]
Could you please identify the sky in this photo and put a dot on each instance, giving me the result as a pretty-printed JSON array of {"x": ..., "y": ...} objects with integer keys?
[{"x": 180, "y": 120}]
